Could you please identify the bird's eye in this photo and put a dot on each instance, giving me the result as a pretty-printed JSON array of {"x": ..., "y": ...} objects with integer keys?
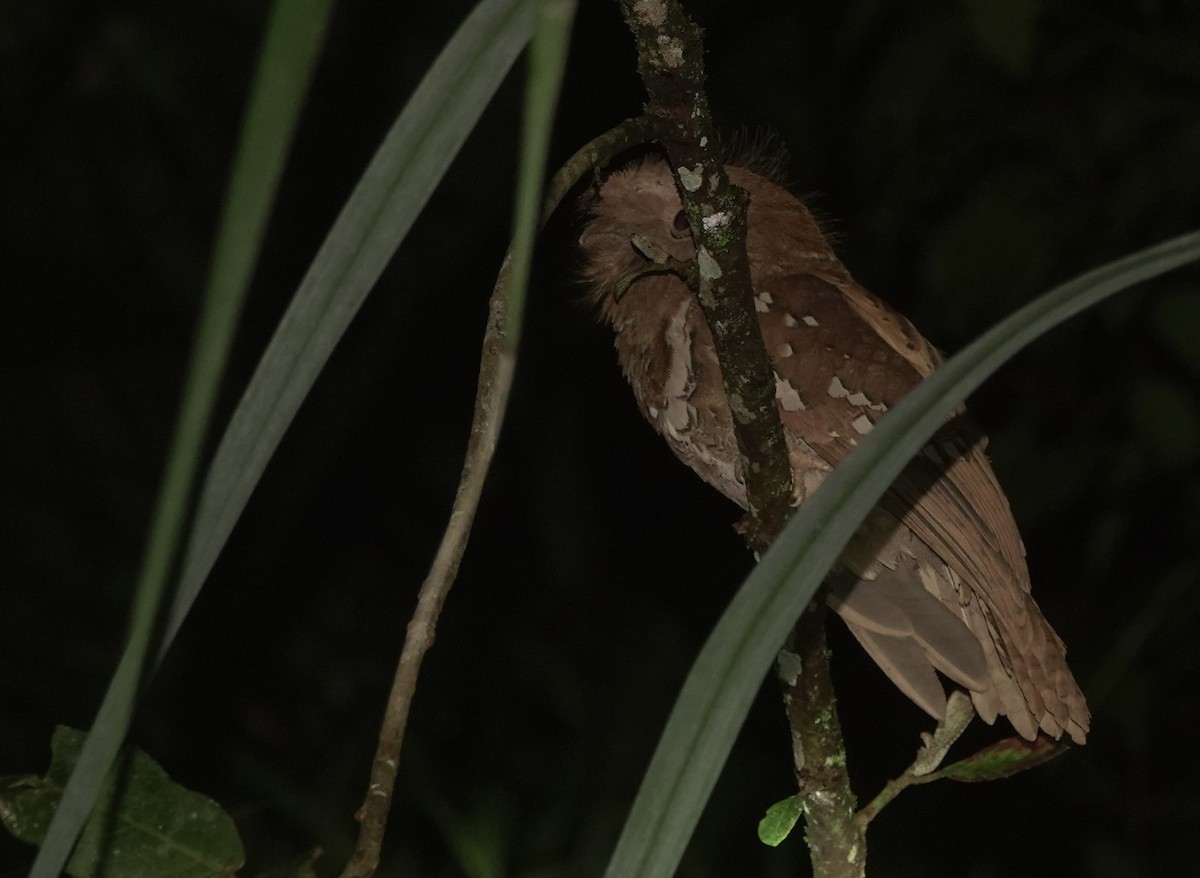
[{"x": 680, "y": 225}]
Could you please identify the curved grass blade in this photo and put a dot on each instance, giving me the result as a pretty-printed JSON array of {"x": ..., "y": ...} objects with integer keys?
[
  {"x": 387, "y": 200},
  {"x": 547, "y": 61},
  {"x": 730, "y": 668},
  {"x": 293, "y": 42}
]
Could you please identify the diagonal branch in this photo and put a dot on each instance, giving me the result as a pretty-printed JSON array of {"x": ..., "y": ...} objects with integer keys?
[{"x": 496, "y": 369}]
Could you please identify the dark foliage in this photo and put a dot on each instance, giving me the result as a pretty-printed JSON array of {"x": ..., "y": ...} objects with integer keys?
[{"x": 968, "y": 156}]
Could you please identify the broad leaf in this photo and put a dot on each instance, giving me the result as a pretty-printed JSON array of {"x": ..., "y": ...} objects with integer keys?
[
  {"x": 1002, "y": 759},
  {"x": 146, "y": 825}
]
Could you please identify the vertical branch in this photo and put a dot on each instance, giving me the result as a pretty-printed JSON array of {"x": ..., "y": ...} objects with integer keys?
[
  {"x": 836, "y": 842},
  {"x": 671, "y": 64}
]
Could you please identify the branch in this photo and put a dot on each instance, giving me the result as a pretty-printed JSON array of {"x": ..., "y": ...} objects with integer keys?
[
  {"x": 495, "y": 380},
  {"x": 836, "y": 843},
  {"x": 959, "y": 713},
  {"x": 671, "y": 64}
]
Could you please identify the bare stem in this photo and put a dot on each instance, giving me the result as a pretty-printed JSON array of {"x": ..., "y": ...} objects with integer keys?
[
  {"x": 495, "y": 380},
  {"x": 934, "y": 747}
]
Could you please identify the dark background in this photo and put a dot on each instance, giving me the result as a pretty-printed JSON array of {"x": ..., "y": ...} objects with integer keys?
[{"x": 968, "y": 155}]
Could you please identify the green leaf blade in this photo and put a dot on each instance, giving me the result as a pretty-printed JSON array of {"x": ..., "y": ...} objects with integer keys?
[
  {"x": 547, "y": 63},
  {"x": 717, "y": 693},
  {"x": 386, "y": 201},
  {"x": 292, "y": 45}
]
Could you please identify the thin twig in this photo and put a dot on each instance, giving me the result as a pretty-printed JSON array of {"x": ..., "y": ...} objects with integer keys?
[
  {"x": 495, "y": 381},
  {"x": 496, "y": 369},
  {"x": 934, "y": 747}
]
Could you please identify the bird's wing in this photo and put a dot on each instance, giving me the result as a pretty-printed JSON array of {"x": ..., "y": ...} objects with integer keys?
[{"x": 843, "y": 358}]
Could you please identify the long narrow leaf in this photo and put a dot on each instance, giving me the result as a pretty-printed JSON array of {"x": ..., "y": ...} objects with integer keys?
[
  {"x": 294, "y": 37},
  {"x": 391, "y": 193},
  {"x": 725, "y": 677},
  {"x": 547, "y": 61}
]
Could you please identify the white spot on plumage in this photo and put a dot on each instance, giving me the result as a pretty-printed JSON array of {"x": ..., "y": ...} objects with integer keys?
[
  {"x": 680, "y": 382},
  {"x": 784, "y": 350},
  {"x": 836, "y": 389},
  {"x": 860, "y": 399},
  {"x": 810, "y": 320},
  {"x": 789, "y": 399},
  {"x": 788, "y": 320},
  {"x": 862, "y": 424}
]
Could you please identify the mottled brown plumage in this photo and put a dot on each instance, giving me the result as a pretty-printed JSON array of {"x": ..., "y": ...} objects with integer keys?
[{"x": 935, "y": 579}]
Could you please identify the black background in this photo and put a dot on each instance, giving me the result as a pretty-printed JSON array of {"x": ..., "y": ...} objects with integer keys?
[{"x": 967, "y": 155}]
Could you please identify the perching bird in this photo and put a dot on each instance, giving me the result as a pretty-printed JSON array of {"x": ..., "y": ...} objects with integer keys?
[{"x": 935, "y": 578}]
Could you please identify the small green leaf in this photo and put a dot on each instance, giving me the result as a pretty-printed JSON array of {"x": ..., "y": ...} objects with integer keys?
[
  {"x": 1002, "y": 759},
  {"x": 779, "y": 820},
  {"x": 145, "y": 825}
]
